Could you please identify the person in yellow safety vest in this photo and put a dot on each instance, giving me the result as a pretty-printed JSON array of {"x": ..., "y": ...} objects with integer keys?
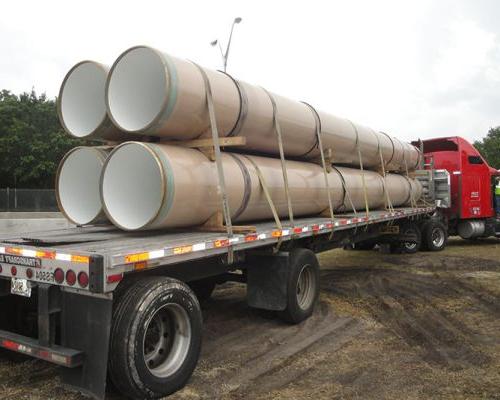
[{"x": 497, "y": 197}]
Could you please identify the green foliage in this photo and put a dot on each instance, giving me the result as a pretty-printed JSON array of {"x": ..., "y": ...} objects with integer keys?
[
  {"x": 489, "y": 147},
  {"x": 32, "y": 141}
]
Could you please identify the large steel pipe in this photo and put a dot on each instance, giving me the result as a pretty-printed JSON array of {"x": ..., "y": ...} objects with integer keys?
[
  {"x": 149, "y": 92},
  {"x": 77, "y": 185},
  {"x": 150, "y": 186},
  {"x": 152, "y": 93},
  {"x": 81, "y": 106}
]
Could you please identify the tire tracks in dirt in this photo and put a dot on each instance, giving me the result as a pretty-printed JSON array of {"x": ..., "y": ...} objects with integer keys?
[
  {"x": 269, "y": 352},
  {"x": 408, "y": 304}
]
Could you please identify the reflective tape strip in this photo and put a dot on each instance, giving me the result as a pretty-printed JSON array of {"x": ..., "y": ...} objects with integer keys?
[
  {"x": 133, "y": 258},
  {"x": 80, "y": 259},
  {"x": 199, "y": 246},
  {"x": 156, "y": 254},
  {"x": 251, "y": 238},
  {"x": 14, "y": 250},
  {"x": 28, "y": 253},
  {"x": 63, "y": 257},
  {"x": 183, "y": 249},
  {"x": 221, "y": 243},
  {"x": 50, "y": 255}
]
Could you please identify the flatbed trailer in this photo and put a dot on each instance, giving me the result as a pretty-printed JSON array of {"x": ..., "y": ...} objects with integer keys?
[{"x": 84, "y": 286}]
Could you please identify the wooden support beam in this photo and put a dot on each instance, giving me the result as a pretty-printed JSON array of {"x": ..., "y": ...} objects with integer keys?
[
  {"x": 203, "y": 143},
  {"x": 206, "y": 146},
  {"x": 216, "y": 224}
]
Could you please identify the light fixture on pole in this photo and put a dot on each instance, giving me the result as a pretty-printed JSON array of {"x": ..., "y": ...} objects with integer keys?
[{"x": 216, "y": 42}]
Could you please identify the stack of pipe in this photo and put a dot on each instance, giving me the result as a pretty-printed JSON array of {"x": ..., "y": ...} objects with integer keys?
[{"x": 142, "y": 185}]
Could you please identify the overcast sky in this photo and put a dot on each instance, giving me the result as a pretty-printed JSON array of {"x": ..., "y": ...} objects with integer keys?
[{"x": 417, "y": 68}]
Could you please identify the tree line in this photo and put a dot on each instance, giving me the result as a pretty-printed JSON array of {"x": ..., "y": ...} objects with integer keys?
[{"x": 32, "y": 141}]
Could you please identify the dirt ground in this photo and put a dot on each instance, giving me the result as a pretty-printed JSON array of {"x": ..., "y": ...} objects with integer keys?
[{"x": 387, "y": 327}]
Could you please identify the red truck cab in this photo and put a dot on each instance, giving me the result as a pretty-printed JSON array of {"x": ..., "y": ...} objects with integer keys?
[{"x": 472, "y": 212}]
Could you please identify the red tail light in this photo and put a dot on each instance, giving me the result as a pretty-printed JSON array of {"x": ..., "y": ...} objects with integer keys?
[
  {"x": 29, "y": 273},
  {"x": 70, "y": 277},
  {"x": 59, "y": 275},
  {"x": 13, "y": 271},
  {"x": 83, "y": 279}
]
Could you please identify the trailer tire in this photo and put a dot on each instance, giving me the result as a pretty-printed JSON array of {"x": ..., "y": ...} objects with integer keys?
[
  {"x": 434, "y": 236},
  {"x": 408, "y": 247},
  {"x": 302, "y": 286},
  {"x": 155, "y": 338}
]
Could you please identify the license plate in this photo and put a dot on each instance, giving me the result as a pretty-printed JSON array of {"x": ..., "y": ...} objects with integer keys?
[{"x": 21, "y": 287}]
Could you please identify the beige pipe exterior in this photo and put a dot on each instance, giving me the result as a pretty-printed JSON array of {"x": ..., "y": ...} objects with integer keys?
[
  {"x": 78, "y": 185},
  {"x": 81, "y": 107},
  {"x": 149, "y": 92},
  {"x": 151, "y": 186},
  {"x": 177, "y": 102}
]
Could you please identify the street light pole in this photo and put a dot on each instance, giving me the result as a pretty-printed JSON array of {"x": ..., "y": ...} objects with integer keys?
[{"x": 225, "y": 55}]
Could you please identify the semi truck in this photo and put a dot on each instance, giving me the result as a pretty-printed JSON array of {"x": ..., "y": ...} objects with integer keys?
[
  {"x": 124, "y": 307},
  {"x": 472, "y": 213}
]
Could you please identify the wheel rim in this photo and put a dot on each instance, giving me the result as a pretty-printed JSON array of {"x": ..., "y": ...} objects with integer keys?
[
  {"x": 437, "y": 237},
  {"x": 410, "y": 245},
  {"x": 166, "y": 340},
  {"x": 306, "y": 287}
]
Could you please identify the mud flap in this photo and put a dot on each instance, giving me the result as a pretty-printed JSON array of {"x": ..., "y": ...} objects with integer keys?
[
  {"x": 86, "y": 326},
  {"x": 267, "y": 278}
]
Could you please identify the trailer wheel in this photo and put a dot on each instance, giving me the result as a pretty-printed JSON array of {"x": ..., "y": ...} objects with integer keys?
[
  {"x": 155, "y": 338},
  {"x": 302, "y": 287},
  {"x": 408, "y": 247},
  {"x": 434, "y": 236}
]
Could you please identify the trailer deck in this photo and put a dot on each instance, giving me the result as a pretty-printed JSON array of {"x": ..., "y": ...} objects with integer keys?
[{"x": 106, "y": 253}]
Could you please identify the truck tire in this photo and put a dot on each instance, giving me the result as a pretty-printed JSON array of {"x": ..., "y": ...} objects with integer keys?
[
  {"x": 155, "y": 338},
  {"x": 302, "y": 286},
  {"x": 434, "y": 236},
  {"x": 408, "y": 247}
]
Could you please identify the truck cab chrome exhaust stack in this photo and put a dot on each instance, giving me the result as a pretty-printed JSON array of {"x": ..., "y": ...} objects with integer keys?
[{"x": 77, "y": 185}]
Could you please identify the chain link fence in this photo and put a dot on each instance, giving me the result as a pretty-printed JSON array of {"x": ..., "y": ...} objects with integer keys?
[{"x": 36, "y": 200}]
